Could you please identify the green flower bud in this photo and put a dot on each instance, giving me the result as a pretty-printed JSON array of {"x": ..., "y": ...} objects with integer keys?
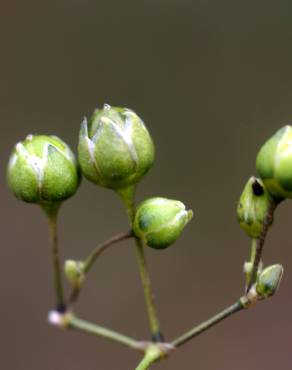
[
  {"x": 74, "y": 271},
  {"x": 269, "y": 280},
  {"x": 115, "y": 148},
  {"x": 274, "y": 164},
  {"x": 160, "y": 221},
  {"x": 253, "y": 207},
  {"x": 42, "y": 169}
]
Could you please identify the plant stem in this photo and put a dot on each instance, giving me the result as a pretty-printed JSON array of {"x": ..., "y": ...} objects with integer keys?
[
  {"x": 127, "y": 195},
  {"x": 52, "y": 220},
  {"x": 90, "y": 260},
  {"x": 260, "y": 243},
  {"x": 85, "y": 326},
  {"x": 237, "y": 306},
  {"x": 251, "y": 260},
  {"x": 149, "y": 299},
  {"x": 152, "y": 355}
]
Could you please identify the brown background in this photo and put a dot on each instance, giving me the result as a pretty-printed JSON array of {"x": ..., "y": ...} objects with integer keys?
[{"x": 212, "y": 80}]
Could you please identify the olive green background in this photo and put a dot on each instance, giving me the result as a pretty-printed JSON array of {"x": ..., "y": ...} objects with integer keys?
[{"x": 212, "y": 80}]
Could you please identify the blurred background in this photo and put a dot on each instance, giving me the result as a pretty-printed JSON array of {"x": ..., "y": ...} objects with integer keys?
[{"x": 212, "y": 81}]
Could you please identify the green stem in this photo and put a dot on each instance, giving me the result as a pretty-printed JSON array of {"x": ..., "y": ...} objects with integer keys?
[
  {"x": 237, "y": 306},
  {"x": 90, "y": 260},
  {"x": 52, "y": 220},
  {"x": 127, "y": 195},
  {"x": 149, "y": 299},
  {"x": 251, "y": 260},
  {"x": 152, "y": 355},
  {"x": 253, "y": 249},
  {"x": 85, "y": 326},
  {"x": 260, "y": 243}
]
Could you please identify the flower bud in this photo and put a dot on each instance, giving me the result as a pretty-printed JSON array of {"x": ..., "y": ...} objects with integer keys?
[
  {"x": 160, "y": 221},
  {"x": 269, "y": 280},
  {"x": 274, "y": 164},
  {"x": 115, "y": 148},
  {"x": 74, "y": 272},
  {"x": 42, "y": 169},
  {"x": 253, "y": 207}
]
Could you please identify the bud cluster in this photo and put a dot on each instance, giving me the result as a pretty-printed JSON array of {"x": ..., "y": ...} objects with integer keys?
[{"x": 115, "y": 151}]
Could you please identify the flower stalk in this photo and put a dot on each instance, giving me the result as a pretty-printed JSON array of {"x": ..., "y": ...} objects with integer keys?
[
  {"x": 128, "y": 200},
  {"x": 58, "y": 283},
  {"x": 93, "y": 256}
]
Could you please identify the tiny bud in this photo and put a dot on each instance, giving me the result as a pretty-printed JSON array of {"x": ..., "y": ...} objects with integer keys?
[
  {"x": 74, "y": 271},
  {"x": 248, "y": 268},
  {"x": 269, "y": 280},
  {"x": 274, "y": 164},
  {"x": 115, "y": 148},
  {"x": 42, "y": 169},
  {"x": 253, "y": 207},
  {"x": 160, "y": 221}
]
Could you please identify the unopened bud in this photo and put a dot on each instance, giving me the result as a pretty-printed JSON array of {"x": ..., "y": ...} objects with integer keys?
[
  {"x": 74, "y": 271},
  {"x": 115, "y": 148},
  {"x": 160, "y": 221},
  {"x": 253, "y": 207},
  {"x": 42, "y": 169},
  {"x": 269, "y": 280},
  {"x": 274, "y": 164}
]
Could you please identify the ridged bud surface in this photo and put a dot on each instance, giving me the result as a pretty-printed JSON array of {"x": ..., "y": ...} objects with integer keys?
[
  {"x": 115, "y": 148},
  {"x": 42, "y": 169}
]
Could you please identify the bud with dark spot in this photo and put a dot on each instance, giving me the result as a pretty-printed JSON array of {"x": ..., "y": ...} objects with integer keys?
[{"x": 253, "y": 207}]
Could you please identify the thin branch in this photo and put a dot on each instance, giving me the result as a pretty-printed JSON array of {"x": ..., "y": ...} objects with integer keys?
[
  {"x": 236, "y": 307},
  {"x": 90, "y": 260},
  {"x": 149, "y": 299},
  {"x": 74, "y": 322},
  {"x": 127, "y": 196},
  {"x": 260, "y": 243},
  {"x": 152, "y": 355},
  {"x": 52, "y": 220}
]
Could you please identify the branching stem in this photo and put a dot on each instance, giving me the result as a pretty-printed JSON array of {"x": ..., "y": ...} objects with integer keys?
[
  {"x": 127, "y": 195},
  {"x": 152, "y": 355},
  {"x": 74, "y": 322},
  {"x": 237, "y": 306},
  {"x": 260, "y": 243},
  {"x": 90, "y": 260}
]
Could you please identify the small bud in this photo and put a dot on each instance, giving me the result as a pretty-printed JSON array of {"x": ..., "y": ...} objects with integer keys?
[
  {"x": 269, "y": 280},
  {"x": 74, "y": 271},
  {"x": 160, "y": 221},
  {"x": 115, "y": 148},
  {"x": 253, "y": 207},
  {"x": 42, "y": 169},
  {"x": 248, "y": 266},
  {"x": 274, "y": 164}
]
